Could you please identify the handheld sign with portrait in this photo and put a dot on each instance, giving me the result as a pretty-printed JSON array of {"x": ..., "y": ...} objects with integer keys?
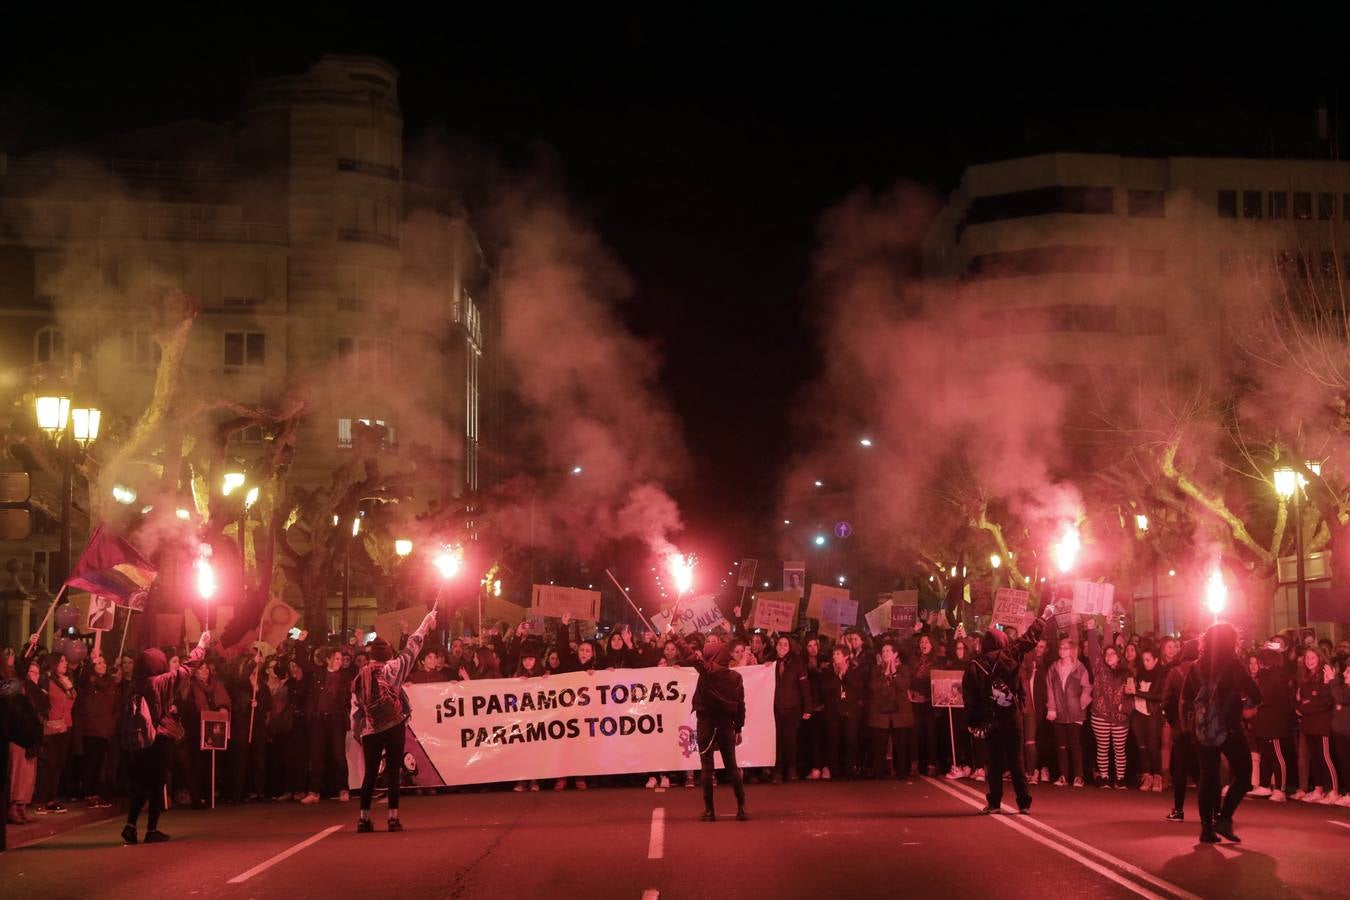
[
  {"x": 746, "y": 576},
  {"x": 794, "y": 577},
  {"x": 775, "y": 611},
  {"x": 102, "y": 613},
  {"x": 215, "y": 729},
  {"x": 1091, "y": 598},
  {"x": 554, "y": 601},
  {"x": 947, "y": 688},
  {"x": 1010, "y": 608}
]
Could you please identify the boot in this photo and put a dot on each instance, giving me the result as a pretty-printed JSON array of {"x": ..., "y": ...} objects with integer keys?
[
  {"x": 1207, "y": 835},
  {"x": 708, "y": 815},
  {"x": 1225, "y": 827},
  {"x": 741, "y": 814}
]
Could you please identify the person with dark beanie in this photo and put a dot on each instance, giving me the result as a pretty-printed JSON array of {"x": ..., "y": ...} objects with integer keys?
[
  {"x": 1227, "y": 685},
  {"x": 992, "y": 691},
  {"x": 379, "y": 714},
  {"x": 1182, "y": 764},
  {"x": 719, "y": 704},
  {"x": 153, "y": 689}
]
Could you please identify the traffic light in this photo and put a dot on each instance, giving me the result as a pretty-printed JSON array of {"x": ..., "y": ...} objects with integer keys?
[{"x": 16, "y": 519}]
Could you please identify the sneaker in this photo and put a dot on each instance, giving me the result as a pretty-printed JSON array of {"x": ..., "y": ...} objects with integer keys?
[
  {"x": 155, "y": 837},
  {"x": 1045, "y": 774},
  {"x": 664, "y": 782},
  {"x": 966, "y": 771},
  {"x": 1331, "y": 799},
  {"x": 1078, "y": 782},
  {"x": 581, "y": 784},
  {"x": 364, "y": 826},
  {"x": 1207, "y": 836},
  {"x": 708, "y": 816},
  {"x": 310, "y": 798},
  {"x": 953, "y": 775},
  {"x": 534, "y": 786},
  {"x": 1315, "y": 797},
  {"x": 1176, "y": 815},
  {"x": 1105, "y": 785},
  {"x": 41, "y": 810},
  {"x": 990, "y": 810},
  {"x": 1260, "y": 792},
  {"x": 395, "y": 825},
  {"x": 344, "y": 797},
  {"x": 560, "y": 784},
  {"x": 1120, "y": 786},
  {"x": 1344, "y": 801},
  {"x": 689, "y": 780},
  {"x": 742, "y": 816},
  {"x": 519, "y": 788},
  {"x": 1060, "y": 782},
  {"x": 1278, "y": 796},
  {"x": 813, "y": 775},
  {"x": 1225, "y": 827},
  {"x": 651, "y": 782},
  {"x": 1157, "y": 784},
  {"x": 283, "y": 798},
  {"x": 979, "y": 775},
  {"x": 129, "y": 834},
  {"x": 825, "y": 774},
  {"x": 55, "y": 807},
  {"x": 1298, "y": 795},
  {"x": 1033, "y": 778}
]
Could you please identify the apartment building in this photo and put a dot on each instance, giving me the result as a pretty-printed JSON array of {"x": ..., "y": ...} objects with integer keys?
[{"x": 317, "y": 262}]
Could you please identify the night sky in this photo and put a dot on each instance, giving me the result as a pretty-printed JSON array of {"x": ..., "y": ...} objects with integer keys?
[{"x": 704, "y": 143}]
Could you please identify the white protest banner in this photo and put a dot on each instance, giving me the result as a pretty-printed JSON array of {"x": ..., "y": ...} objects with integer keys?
[
  {"x": 608, "y": 722},
  {"x": 879, "y": 619},
  {"x": 700, "y": 613},
  {"x": 904, "y": 611},
  {"x": 554, "y": 601},
  {"x": 794, "y": 577},
  {"x": 1091, "y": 598},
  {"x": 817, "y": 602},
  {"x": 947, "y": 688},
  {"x": 775, "y": 611},
  {"x": 1010, "y": 607},
  {"x": 746, "y": 576}
]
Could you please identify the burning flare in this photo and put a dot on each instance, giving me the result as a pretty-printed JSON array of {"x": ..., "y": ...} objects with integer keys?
[
  {"x": 206, "y": 576},
  {"x": 1066, "y": 550},
  {"x": 1216, "y": 593},
  {"x": 682, "y": 570},
  {"x": 448, "y": 563}
]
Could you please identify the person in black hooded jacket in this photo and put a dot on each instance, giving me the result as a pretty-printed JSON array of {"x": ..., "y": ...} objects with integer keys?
[
  {"x": 991, "y": 687},
  {"x": 1182, "y": 762},
  {"x": 20, "y": 726},
  {"x": 719, "y": 705}
]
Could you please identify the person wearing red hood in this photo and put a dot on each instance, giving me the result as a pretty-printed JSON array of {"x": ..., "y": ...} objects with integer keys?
[
  {"x": 719, "y": 704},
  {"x": 992, "y": 691},
  {"x": 153, "y": 689}
]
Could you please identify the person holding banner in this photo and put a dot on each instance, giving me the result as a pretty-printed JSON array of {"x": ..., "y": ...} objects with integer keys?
[
  {"x": 150, "y": 728},
  {"x": 719, "y": 708},
  {"x": 991, "y": 688},
  {"x": 379, "y": 714}
]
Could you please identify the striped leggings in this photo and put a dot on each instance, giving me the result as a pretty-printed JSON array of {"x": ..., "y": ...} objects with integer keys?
[
  {"x": 1110, "y": 748},
  {"x": 1321, "y": 765}
]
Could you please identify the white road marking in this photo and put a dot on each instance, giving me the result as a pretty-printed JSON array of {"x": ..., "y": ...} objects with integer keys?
[
  {"x": 283, "y": 855},
  {"x": 1059, "y": 846},
  {"x": 656, "y": 846},
  {"x": 1342, "y": 824},
  {"x": 57, "y": 834}
]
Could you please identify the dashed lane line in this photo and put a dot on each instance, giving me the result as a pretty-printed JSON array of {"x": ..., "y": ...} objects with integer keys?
[
  {"x": 656, "y": 845},
  {"x": 283, "y": 855}
]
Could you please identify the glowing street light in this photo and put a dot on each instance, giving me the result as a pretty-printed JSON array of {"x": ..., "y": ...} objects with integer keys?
[
  {"x": 995, "y": 561},
  {"x": 52, "y": 412},
  {"x": 820, "y": 540},
  {"x": 403, "y": 547},
  {"x": 841, "y": 580},
  {"x": 1286, "y": 480},
  {"x": 577, "y": 470},
  {"x": 84, "y": 421},
  {"x": 182, "y": 514},
  {"x": 820, "y": 483},
  {"x": 231, "y": 481},
  {"x": 356, "y": 526},
  {"x": 1066, "y": 550},
  {"x": 1141, "y": 522},
  {"x": 123, "y": 495},
  {"x": 865, "y": 442}
]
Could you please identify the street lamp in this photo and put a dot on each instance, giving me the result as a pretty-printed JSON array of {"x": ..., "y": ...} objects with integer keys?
[
  {"x": 53, "y": 412},
  {"x": 995, "y": 561},
  {"x": 1289, "y": 484},
  {"x": 230, "y": 482},
  {"x": 403, "y": 547},
  {"x": 1141, "y": 522}
]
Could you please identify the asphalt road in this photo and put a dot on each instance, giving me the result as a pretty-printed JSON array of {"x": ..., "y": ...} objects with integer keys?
[{"x": 923, "y": 837}]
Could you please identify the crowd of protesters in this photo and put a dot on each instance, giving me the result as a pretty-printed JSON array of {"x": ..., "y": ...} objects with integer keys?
[{"x": 1093, "y": 708}]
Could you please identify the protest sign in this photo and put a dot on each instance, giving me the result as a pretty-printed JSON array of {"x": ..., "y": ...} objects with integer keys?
[
  {"x": 879, "y": 619},
  {"x": 794, "y": 577},
  {"x": 775, "y": 611},
  {"x": 608, "y": 722},
  {"x": 277, "y": 619},
  {"x": 1010, "y": 608},
  {"x": 904, "y": 611},
  {"x": 500, "y": 610},
  {"x": 746, "y": 576},
  {"x": 841, "y": 610},
  {"x": 699, "y": 614},
  {"x": 832, "y": 630},
  {"x": 392, "y": 626},
  {"x": 101, "y": 613},
  {"x": 1091, "y": 598},
  {"x": 554, "y": 601},
  {"x": 215, "y": 729},
  {"x": 947, "y": 687},
  {"x": 816, "y": 603}
]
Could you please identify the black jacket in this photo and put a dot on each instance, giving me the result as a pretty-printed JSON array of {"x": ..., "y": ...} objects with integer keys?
[
  {"x": 843, "y": 697},
  {"x": 19, "y": 725},
  {"x": 792, "y": 692},
  {"x": 720, "y": 694},
  {"x": 991, "y": 685},
  {"x": 1233, "y": 686},
  {"x": 1274, "y": 718}
]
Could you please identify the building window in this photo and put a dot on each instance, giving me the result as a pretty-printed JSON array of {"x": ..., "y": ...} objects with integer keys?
[
  {"x": 1227, "y": 204},
  {"x": 1251, "y": 204},
  {"x": 1326, "y": 206},
  {"x": 1302, "y": 205},
  {"x": 1062, "y": 259},
  {"x": 345, "y": 426},
  {"x": 372, "y": 356},
  {"x": 1147, "y": 262},
  {"x": 44, "y": 561},
  {"x": 1279, "y": 205},
  {"x": 1040, "y": 202},
  {"x": 138, "y": 348},
  {"x": 245, "y": 349},
  {"x": 49, "y": 345},
  {"x": 1145, "y": 203},
  {"x": 253, "y": 434}
]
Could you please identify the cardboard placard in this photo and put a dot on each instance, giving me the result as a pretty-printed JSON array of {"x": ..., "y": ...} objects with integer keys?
[
  {"x": 215, "y": 729},
  {"x": 554, "y": 601},
  {"x": 1091, "y": 598},
  {"x": 816, "y": 603},
  {"x": 947, "y": 688},
  {"x": 1010, "y": 607},
  {"x": 775, "y": 611},
  {"x": 841, "y": 610},
  {"x": 392, "y": 626},
  {"x": 832, "y": 630},
  {"x": 746, "y": 576},
  {"x": 193, "y": 626},
  {"x": 503, "y": 611},
  {"x": 700, "y": 614},
  {"x": 879, "y": 620},
  {"x": 794, "y": 577},
  {"x": 277, "y": 619},
  {"x": 904, "y": 611}
]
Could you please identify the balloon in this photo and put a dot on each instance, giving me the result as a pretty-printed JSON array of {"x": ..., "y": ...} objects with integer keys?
[
  {"x": 75, "y": 652},
  {"x": 67, "y": 616}
]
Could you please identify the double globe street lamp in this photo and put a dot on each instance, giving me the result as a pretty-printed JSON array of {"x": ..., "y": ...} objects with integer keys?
[{"x": 71, "y": 429}]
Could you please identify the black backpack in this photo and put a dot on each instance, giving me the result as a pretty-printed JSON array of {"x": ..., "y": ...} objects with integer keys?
[{"x": 134, "y": 729}]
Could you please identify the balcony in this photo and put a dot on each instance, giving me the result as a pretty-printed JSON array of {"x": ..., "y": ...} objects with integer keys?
[{"x": 144, "y": 229}]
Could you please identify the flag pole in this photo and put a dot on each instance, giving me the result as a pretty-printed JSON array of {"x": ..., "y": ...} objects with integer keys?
[
  {"x": 50, "y": 609},
  {"x": 645, "y": 620}
]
